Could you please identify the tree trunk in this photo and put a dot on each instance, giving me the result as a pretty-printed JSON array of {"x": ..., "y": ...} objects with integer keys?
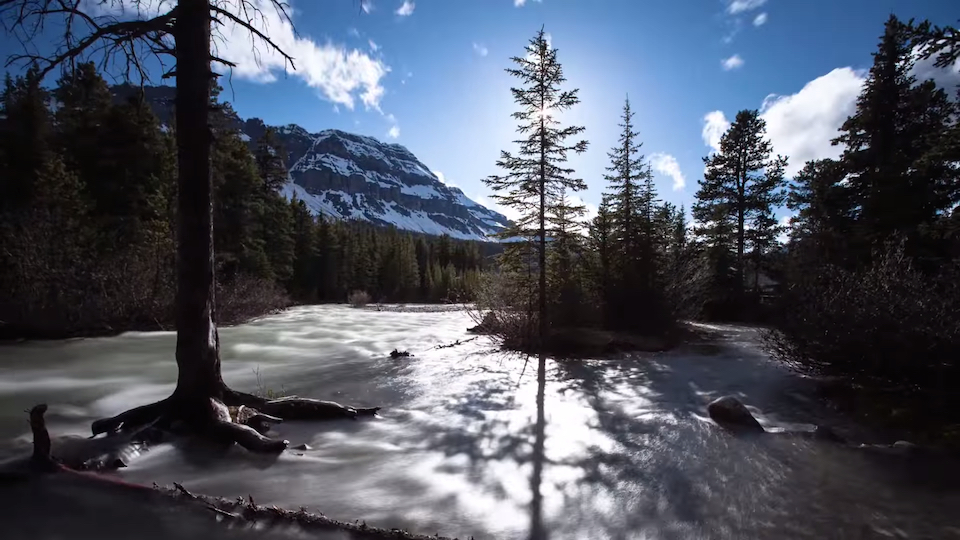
[{"x": 198, "y": 345}]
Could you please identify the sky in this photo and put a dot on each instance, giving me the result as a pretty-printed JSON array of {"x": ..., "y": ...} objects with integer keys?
[{"x": 430, "y": 75}]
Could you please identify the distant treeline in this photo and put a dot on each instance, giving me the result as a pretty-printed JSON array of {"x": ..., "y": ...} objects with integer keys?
[{"x": 87, "y": 222}]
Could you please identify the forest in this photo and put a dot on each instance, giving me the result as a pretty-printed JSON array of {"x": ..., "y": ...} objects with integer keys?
[
  {"x": 88, "y": 214},
  {"x": 864, "y": 288},
  {"x": 861, "y": 283}
]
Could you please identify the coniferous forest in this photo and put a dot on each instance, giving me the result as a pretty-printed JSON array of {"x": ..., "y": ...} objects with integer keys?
[
  {"x": 87, "y": 222},
  {"x": 863, "y": 283}
]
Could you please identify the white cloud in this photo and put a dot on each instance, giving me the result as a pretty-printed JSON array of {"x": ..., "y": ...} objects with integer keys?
[
  {"x": 947, "y": 78},
  {"x": 521, "y": 3},
  {"x": 373, "y": 45},
  {"x": 480, "y": 49},
  {"x": 394, "y": 132},
  {"x": 444, "y": 180},
  {"x": 760, "y": 19},
  {"x": 366, "y": 5},
  {"x": 406, "y": 9},
  {"x": 733, "y": 62},
  {"x": 667, "y": 165},
  {"x": 739, "y": 6},
  {"x": 715, "y": 124},
  {"x": 801, "y": 125},
  {"x": 339, "y": 74},
  {"x": 353, "y": 32}
]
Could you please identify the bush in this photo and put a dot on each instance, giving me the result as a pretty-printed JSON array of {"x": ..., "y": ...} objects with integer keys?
[
  {"x": 246, "y": 297},
  {"x": 884, "y": 326},
  {"x": 358, "y": 299}
]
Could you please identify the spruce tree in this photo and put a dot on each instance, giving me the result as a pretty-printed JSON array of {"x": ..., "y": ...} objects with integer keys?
[
  {"x": 537, "y": 171},
  {"x": 741, "y": 183},
  {"x": 891, "y": 145}
]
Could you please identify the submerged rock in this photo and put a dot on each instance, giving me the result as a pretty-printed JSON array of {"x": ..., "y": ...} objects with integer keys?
[{"x": 730, "y": 413}]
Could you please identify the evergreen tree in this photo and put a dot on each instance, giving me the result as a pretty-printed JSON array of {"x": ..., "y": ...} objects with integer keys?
[
  {"x": 536, "y": 173},
  {"x": 601, "y": 245},
  {"x": 741, "y": 185},
  {"x": 823, "y": 211},
  {"x": 898, "y": 123}
]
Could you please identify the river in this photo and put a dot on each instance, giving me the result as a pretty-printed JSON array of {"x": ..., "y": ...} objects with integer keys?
[{"x": 629, "y": 450}]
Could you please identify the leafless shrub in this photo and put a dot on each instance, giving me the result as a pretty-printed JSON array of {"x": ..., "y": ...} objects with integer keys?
[
  {"x": 358, "y": 299},
  {"x": 887, "y": 325},
  {"x": 246, "y": 297}
]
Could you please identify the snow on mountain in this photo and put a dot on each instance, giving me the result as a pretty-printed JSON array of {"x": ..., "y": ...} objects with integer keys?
[{"x": 348, "y": 176}]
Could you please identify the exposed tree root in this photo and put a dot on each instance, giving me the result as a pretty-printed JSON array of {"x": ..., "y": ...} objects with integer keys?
[
  {"x": 238, "y": 511},
  {"x": 251, "y": 418},
  {"x": 136, "y": 417}
]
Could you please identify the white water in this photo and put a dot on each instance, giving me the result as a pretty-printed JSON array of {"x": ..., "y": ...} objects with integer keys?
[{"x": 629, "y": 450}]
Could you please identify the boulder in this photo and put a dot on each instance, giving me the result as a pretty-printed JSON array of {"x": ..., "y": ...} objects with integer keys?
[{"x": 731, "y": 414}]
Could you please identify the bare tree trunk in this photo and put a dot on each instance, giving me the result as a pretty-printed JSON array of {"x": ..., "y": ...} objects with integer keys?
[{"x": 198, "y": 345}]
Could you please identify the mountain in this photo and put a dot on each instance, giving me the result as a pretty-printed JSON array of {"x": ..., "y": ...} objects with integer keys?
[{"x": 347, "y": 176}]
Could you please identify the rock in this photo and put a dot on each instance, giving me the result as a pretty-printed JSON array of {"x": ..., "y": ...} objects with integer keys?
[
  {"x": 399, "y": 354},
  {"x": 302, "y": 447},
  {"x": 730, "y": 413}
]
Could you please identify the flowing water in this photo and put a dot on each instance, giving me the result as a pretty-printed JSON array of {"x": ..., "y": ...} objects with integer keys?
[{"x": 629, "y": 450}]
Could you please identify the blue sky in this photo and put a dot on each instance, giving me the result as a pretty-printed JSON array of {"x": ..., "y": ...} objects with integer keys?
[{"x": 429, "y": 74}]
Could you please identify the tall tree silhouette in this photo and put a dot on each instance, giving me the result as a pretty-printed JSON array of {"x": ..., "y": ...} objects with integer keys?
[{"x": 180, "y": 30}]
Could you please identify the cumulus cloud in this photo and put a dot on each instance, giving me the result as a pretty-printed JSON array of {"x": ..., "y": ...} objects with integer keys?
[
  {"x": 394, "y": 132},
  {"x": 801, "y": 125},
  {"x": 340, "y": 75},
  {"x": 760, "y": 19},
  {"x": 406, "y": 9},
  {"x": 731, "y": 63},
  {"x": 480, "y": 49},
  {"x": 667, "y": 165},
  {"x": 740, "y": 6},
  {"x": 947, "y": 78},
  {"x": 715, "y": 124}
]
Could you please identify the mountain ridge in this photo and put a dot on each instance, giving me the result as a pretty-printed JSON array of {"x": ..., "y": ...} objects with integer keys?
[{"x": 344, "y": 175}]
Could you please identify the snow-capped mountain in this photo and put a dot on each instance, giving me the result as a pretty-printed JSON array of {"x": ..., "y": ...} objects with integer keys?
[{"x": 348, "y": 176}]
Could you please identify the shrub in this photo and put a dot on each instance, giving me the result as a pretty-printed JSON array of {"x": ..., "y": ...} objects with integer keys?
[
  {"x": 246, "y": 297},
  {"x": 887, "y": 325},
  {"x": 358, "y": 299}
]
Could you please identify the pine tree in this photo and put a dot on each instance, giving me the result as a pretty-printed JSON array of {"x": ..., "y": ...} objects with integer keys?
[
  {"x": 564, "y": 279},
  {"x": 888, "y": 141},
  {"x": 537, "y": 172},
  {"x": 741, "y": 184},
  {"x": 823, "y": 211}
]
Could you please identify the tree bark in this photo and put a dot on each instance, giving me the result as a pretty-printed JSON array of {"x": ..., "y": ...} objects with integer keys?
[
  {"x": 199, "y": 398},
  {"x": 198, "y": 344}
]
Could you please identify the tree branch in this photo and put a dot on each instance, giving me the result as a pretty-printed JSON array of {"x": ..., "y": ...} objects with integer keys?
[{"x": 248, "y": 25}]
